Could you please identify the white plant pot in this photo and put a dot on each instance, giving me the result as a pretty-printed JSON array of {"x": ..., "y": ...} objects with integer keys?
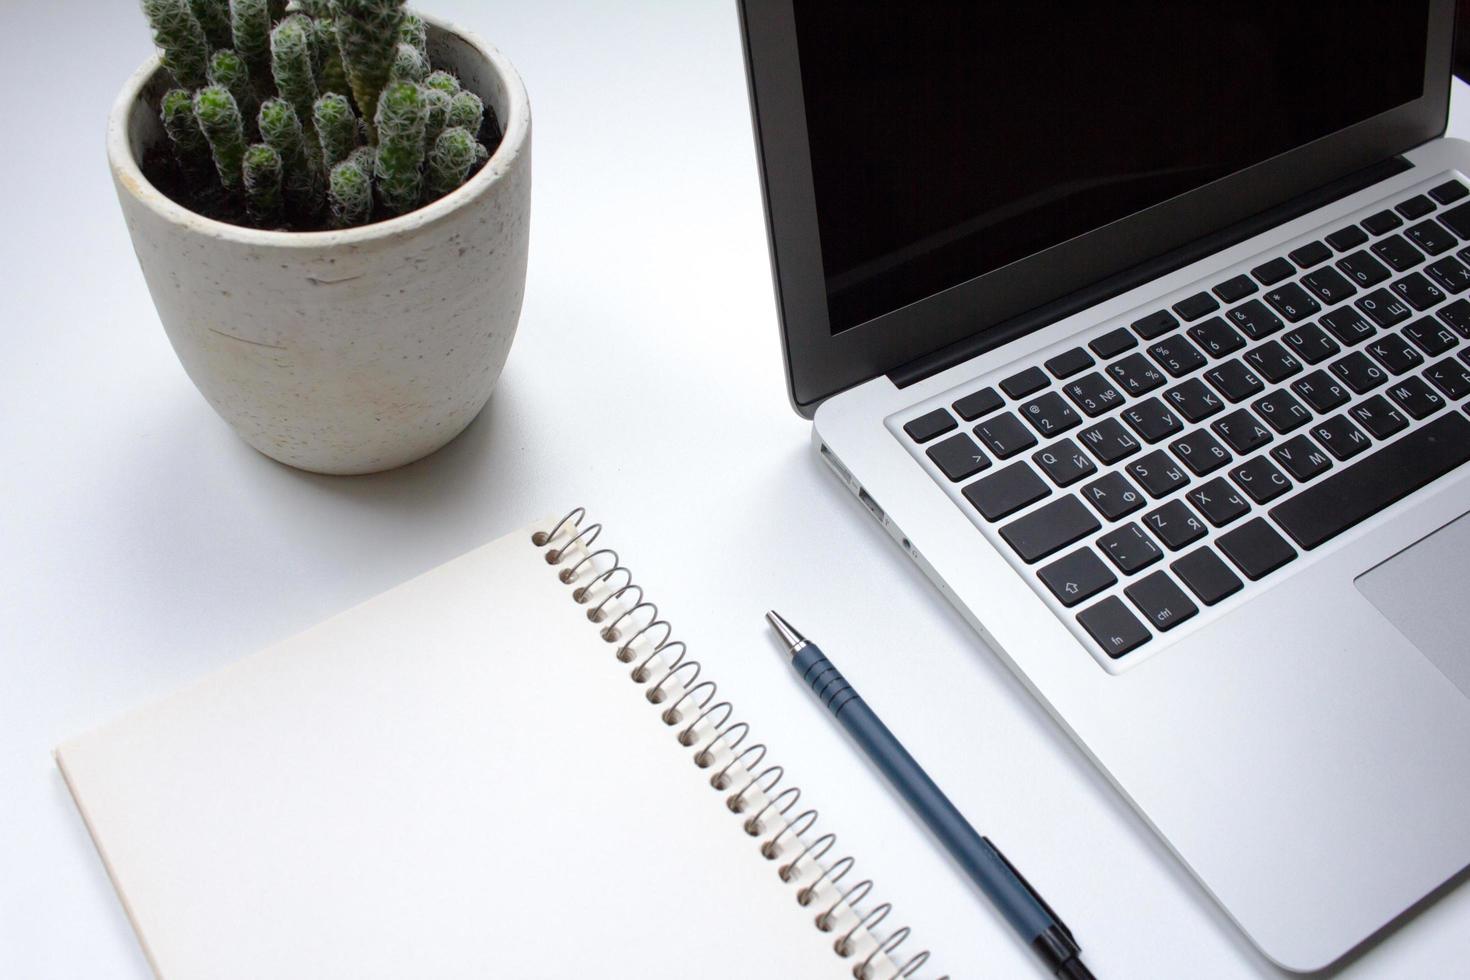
[{"x": 342, "y": 351}]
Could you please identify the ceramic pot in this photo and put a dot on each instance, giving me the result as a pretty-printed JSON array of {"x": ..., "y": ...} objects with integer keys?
[{"x": 342, "y": 351}]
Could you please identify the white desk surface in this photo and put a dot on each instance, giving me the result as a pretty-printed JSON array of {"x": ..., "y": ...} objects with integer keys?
[{"x": 142, "y": 544}]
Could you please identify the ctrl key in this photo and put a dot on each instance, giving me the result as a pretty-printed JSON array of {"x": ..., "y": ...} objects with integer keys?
[{"x": 1114, "y": 628}]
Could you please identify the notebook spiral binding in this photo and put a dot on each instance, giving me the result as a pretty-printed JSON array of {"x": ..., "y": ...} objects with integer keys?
[{"x": 621, "y": 606}]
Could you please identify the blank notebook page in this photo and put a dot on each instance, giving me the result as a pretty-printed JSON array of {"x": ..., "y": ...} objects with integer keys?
[{"x": 457, "y": 778}]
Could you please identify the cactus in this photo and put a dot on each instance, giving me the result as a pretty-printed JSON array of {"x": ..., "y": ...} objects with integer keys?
[
  {"x": 482, "y": 154},
  {"x": 184, "y": 50},
  {"x": 281, "y": 128},
  {"x": 444, "y": 82},
  {"x": 402, "y": 116},
  {"x": 291, "y": 65},
  {"x": 408, "y": 64},
  {"x": 367, "y": 31},
  {"x": 261, "y": 175},
  {"x": 314, "y": 8},
  {"x": 336, "y": 128},
  {"x": 228, "y": 69},
  {"x": 449, "y": 162},
  {"x": 438, "y": 103},
  {"x": 214, "y": 18},
  {"x": 191, "y": 149},
  {"x": 219, "y": 118},
  {"x": 250, "y": 24},
  {"x": 414, "y": 31},
  {"x": 333, "y": 76},
  {"x": 467, "y": 112},
  {"x": 350, "y": 194}
]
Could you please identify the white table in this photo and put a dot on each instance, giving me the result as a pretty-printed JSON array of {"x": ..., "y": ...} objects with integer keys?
[{"x": 142, "y": 544}]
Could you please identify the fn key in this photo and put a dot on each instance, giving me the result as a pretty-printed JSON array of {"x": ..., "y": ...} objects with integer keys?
[{"x": 1114, "y": 628}]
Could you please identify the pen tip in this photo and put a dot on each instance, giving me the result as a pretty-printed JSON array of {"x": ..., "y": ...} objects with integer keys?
[{"x": 787, "y": 632}]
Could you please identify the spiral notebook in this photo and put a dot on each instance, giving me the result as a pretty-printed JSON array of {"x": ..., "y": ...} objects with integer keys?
[{"x": 508, "y": 766}]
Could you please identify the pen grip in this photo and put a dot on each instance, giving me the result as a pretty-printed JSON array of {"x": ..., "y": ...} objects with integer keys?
[{"x": 978, "y": 857}]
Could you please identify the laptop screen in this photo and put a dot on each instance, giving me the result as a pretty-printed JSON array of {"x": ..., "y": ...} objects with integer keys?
[{"x": 948, "y": 140}]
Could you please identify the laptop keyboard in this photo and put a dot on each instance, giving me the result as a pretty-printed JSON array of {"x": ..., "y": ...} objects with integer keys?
[{"x": 1155, "y": 468}]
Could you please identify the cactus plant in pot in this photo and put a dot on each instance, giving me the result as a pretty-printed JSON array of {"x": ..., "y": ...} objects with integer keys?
[{"x": 330, "y": 201}]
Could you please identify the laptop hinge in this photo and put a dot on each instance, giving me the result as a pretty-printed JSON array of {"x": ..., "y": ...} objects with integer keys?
[{"x": 1020, "y": 325}]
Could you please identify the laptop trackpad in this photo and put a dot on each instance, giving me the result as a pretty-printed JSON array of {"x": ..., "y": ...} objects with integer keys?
[{"x": 1422, "y": 591}]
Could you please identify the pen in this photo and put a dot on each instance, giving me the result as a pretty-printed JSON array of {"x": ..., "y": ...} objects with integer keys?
[{"x": 1015, "y": 899}]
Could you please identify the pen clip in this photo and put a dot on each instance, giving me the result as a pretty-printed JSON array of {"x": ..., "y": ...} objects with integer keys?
[{"x": 1030, "y": 888}]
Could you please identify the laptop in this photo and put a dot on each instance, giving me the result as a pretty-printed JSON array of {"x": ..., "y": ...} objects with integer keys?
[{"x": 1144, "y": 330}]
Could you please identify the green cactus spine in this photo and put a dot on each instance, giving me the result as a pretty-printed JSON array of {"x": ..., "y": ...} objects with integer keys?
[
  {"x": 402, "y": 116},
  {"x": 336, "y": 128},
  {"x": 191, "y": 149},
  {"x": 414, "y": 31},
  {"x": 408, "y": 64},
  {"x": 261, "y": 175},
  {"x": 181, "y": 41},
  {"x": 367, "y": 31},
  {"x": 214, "y": 17},
  {"x": 280, "y": 127},
  {"x": 350, "y": 195},
  {"x": 228, "y": 69},
  {"x": 467, "y": 112},
  {"x": 291, "y": 65},
  {"x": 219, "y": 119},
  {"x": 449, "y": 162}
]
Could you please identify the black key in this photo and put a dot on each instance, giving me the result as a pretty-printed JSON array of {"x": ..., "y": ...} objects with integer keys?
[
  {"x": 1260, "y": 479},
  {"x": 1162, "y": 603},
  {"x": 1108, "y": 441},
  {"x": 1281, "y": 411},
  {"x": 1395, "y": 353},
  {"x": 1031, "y": 380},
  {"x": 1342, "y": 439},
  {"x": 1311, "y": 343},
  {"x": 1416, "y": 397},
  {"x": 1328, "y": 285},
  {"x": 1379, "y": 417},
  {"x": 1384, "y": 308},
  {"x": 1152, "y": 420},
  {"x": 1068, "y": 363},
  {"x": 1301, "y": 458},
  {"x": 1216, "y": 337},
  {"x": 1234, "y": 380},
  {"x": 929, "y": 425},
  {"x": 1345, "y": 238},
  {"x": 1113, "y": 342},
  {"x": 982, "y": 402},
  {"x": 1450, "y": 377},
  {"x": 1190, "y": 308},
  {"x": 1174, "y": 524},
  {"x": 1348, "y": 326},
  {"x": 1361, "y": 374},
  {"x": 1320, "y": 391},
  {"x": 1457, "y": 220},
  {"x": 1419, "y": 292},
  {"x": 1004, "y": 435},
  {"x": 1135, "y": 375},
  {"x": 1254, "y": 319},
  {"x": 1157, "y": 473},
  {"x": 1233, "y": 289},
  {"x": 1415, "y": 207},
  {"x": 1192, "y": 399},
  {"x": 1114, "y": 628},
  {"x": 1273, "y": 362},
  {"x": 1076, "y": 577},
  {"x": 1310, "y": 254},
  {"x": 1218, "y": 501},
  {"x": 1382, "y": 222},
  {"x": 1176, "y": 355},
  {"x": 1049, "y": 414},
  {"x": 1255, "y": 548},
  {"x": 1112, "y": 495},
  {"x": 1064, "y": 462},
  {"x": 1129, "y": 548},
  {"x": 1450, "y": 273},
  {"x": 1430, "y": 336},
  {"x": 1293, "y": 302},
  {"x": 1457, "y": 316},
  {"x": 1006, "y": 491},
  {"x": 1363, "y": 269},
  {"x": 1449, "y": 191},
  {"x": 1093, "y": 394},
  {"x": 1200, "y": 451},
  {"x": 1270, "y": 273},
  {"x": 1431, "y": 237},
  {"x": 1357, "y": 492},
  {"x": 1242, "y": 431},
  {"x": 1049, "y": 528},
  {"x": 958, "y": 457},
  {"x": 1207, "y": 576},
  {"x": 1397, "y": 252},
  {"x": 1156, "y": 324}
]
